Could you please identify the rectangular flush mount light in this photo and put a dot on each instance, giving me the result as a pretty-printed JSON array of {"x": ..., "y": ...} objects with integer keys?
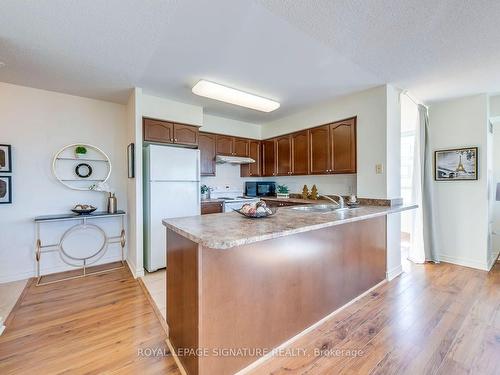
[{"x": 226, "y": 94}]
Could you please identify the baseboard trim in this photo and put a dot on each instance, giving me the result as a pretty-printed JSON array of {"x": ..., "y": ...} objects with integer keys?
[
  {"x": 395, "y": 272},
  {"x": 493, "y": 259},
  {"x": 135, "y": 272},
  {"x": 50, "y": 270},
  {"x": 464, "y": 262},
  {"x": 269, "y": 355}
]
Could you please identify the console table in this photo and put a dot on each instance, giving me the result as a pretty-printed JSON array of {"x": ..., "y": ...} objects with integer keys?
[{"x": 83, "y": 222}]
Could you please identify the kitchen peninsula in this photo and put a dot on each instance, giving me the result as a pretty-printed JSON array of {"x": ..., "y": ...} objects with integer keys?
[{"x": 245, "y": 286}]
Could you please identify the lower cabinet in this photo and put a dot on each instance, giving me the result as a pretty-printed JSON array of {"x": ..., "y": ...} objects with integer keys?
[{"x": 211, "y": 207}]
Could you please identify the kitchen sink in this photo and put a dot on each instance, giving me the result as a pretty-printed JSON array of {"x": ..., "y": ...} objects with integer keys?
[{"x": 319, "y": 208}]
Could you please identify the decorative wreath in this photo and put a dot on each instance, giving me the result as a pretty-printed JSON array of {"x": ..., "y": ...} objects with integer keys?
[{"x": 83, "y": 165}]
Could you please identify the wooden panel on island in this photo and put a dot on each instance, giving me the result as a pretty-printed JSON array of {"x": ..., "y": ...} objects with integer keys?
[{"x": 268, "y": 292}]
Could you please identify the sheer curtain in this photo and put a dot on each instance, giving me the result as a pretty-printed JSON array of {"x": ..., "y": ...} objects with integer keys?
[{"x": 417, "y": 183}]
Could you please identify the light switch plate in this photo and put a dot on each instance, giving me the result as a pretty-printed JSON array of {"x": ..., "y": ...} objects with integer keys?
[{"x": 379, "y": 168}]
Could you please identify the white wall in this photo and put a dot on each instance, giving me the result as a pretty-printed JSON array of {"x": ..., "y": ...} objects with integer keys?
[
  {"x": 134, "y": 185},
  {"x": 462, "y": 206},
  {"x": 165, "y": 109},
  {"x": 37, "y": 124},
  {"x": 370, "y": 107},
  {"x": 221, "y": 125}
]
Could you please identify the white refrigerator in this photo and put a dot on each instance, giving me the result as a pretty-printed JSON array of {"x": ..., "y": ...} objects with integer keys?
[{"x": 171, "y": 189}]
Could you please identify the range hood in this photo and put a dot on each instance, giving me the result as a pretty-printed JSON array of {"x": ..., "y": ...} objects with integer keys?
[{"x": 220, "y": 159}]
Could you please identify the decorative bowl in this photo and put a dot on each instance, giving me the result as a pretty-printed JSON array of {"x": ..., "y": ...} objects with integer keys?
[
  {"x": 83, "y": 209},
  {"x": 258, "y": 215}
]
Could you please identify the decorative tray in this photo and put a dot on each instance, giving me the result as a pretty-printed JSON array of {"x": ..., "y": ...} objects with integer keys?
[{"x": 83, "y": 209}]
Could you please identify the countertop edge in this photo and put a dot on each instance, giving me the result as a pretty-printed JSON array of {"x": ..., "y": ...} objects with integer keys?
[{"x": 223, "y": 245}]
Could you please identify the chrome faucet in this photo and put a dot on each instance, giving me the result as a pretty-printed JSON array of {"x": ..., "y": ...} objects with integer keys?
[{"x": 340, "y": 203}]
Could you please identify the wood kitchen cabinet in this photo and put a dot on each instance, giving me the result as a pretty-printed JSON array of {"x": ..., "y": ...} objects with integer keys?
[
  {"x": 240, "y": 147},
  {"x": 186, "y": 134},
  {"x": 333, "y": 148},
  {"x": 283, "y": 156},
  {"x": 254, "y": 152},
  {"x": 211, "y": 207},
  {"x": 269, "y": 157},
  {"x": 225, "y": 145},
  {"x": 319, "y": 150},
  {"x": 160, "y": 131},
  {"x": 343, "y": 146},
  {"x": 207, "y": 147},
  {"x": 300, "y": 153}
]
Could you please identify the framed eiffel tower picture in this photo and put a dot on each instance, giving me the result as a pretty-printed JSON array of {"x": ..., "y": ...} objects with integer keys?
[{"x": 457, "y": 164}]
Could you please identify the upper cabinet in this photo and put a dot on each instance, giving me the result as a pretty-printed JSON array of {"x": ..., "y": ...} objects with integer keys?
[
  {"x": 283, "y": 156},
  {"x": 160, "y": 131},
  {"x": 319, "y": 150},
  {"x": 343, "y": 146},
  {"x": 207, "y": 146},
  {"x": 185, "y": 134},
  {"x": 240, "y": 147},
  {"x": 254, "y": 152},
  {"x": 332, "y": 148},
  {"x": 232, "y": 146},
  {"x": 269, "y": 157},
  {"x": 300, "y": 153},
  {"x": 225, "y": 145}
]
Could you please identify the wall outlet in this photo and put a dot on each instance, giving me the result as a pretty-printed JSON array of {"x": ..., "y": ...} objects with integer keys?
[{"x": 379, "y": 168}]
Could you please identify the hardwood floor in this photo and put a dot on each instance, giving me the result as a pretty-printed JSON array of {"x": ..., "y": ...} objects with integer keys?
[
  {"x": 94, "y": 325},
  {"x": 437, "y": 319}
]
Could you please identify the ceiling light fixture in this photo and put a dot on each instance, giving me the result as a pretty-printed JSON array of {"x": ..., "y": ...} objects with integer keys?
[{"x": 226, "y": 94}]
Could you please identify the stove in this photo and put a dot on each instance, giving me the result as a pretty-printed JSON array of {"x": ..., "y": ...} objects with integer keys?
[{"x": 233, "y": 198}]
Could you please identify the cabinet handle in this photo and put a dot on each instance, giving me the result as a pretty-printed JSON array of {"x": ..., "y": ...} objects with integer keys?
[
  {"x": 175, "y": 139},
  {"x": 171, "y": 139}
]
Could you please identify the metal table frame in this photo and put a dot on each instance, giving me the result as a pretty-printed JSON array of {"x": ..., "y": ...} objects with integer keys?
[{"x": 83, "y": 223}]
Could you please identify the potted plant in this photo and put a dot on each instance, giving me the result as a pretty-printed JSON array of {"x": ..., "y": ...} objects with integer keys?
[
  {"x": 282, "y": 191},
  {"x": 80, "y": 151},
  {"x": 204, "y": 191}
]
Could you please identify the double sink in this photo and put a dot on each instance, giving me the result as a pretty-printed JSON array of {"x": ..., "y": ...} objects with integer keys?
[{"x": 320, "y": 208}]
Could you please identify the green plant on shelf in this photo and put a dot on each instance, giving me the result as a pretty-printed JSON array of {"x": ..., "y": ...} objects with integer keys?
[
  {"x": 282, "y": 189},
  {"x": 80, "y": 151},
  {"x": 204, "y": 189}
]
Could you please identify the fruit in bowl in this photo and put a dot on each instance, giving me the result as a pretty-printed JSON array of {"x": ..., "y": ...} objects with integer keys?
[{"x": 258, "y": 209}]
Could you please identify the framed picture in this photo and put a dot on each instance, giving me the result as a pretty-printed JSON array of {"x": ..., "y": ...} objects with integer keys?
[
  {"x": 457, "y": 164},
  {"x": 131, "y": 160},
  {"x": 5, "y": 190},
  {"x": 5, "y": 159}
]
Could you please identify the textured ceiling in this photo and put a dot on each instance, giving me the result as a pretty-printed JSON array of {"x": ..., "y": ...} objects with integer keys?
[{"x": 296, "y": 52}]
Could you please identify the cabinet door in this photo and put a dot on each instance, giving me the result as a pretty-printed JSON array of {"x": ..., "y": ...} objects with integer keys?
[
  {"x": 269, "y": 158},
  {"x": 283, "y": 156},
  {"x": 158, "y": 131},
  {"x": 211, "y": 207},
  {"x": 240, "y": 147},
  {"x": 343, "y": 146},
  {"x": 206, "y": 144},
  {"x": 225, "y": 145},
  {"x": 254, "y": 169},
  {"x": 300, "y": 153},
  {"x": 186, "y": 134},
  {"x": 319, "y": 149}
]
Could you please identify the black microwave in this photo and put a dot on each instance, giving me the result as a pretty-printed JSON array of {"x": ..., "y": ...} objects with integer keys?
[{"x": 260, "y": 188}]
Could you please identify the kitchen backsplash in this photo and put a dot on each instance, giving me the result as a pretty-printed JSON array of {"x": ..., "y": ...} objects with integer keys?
[{"x": 229, "y": 175}]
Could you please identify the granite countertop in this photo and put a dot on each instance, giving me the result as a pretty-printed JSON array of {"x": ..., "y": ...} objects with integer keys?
[{"x": 227, "y": 230}]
